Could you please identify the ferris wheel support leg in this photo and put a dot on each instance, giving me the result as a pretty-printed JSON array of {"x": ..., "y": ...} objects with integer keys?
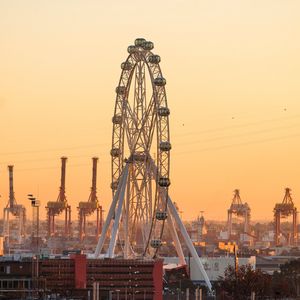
[
  {"x": 108, "y": 220},
  {"x": 126, "y": 225},
  {"x": 114, "y": 234},
  {"x": 20, "y": 228},
  {"x": 175, "y": 239},
  {"x": 189, "y": 243}
]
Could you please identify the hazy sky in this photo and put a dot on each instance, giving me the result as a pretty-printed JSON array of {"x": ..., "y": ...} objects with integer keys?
[{"x": 232, "y": 70}]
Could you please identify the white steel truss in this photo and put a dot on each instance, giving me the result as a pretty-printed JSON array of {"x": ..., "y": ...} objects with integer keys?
[{"x": 141, "y": 206}]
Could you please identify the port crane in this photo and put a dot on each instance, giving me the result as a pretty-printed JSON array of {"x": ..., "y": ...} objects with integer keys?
[
  {"x": 13, "y": 209},
  {"x": 239, "y": 209},
  {"x": 283, "y": 210},
  {"x": 87, "y": 208},
  {"x": 55, "y": 208}
]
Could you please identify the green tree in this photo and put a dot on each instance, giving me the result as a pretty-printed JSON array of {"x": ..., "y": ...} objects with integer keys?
[
  {"x": 239, "y": 284},
  {"x": 280, "y": 286},
  {"x": 288, "y": 279}
]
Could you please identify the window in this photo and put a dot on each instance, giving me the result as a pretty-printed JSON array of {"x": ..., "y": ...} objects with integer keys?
[
  {"x": 216, "y": 266},
  {"x": 7, "y": 269}
]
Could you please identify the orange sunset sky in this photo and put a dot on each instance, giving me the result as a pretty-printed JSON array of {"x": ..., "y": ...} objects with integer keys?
[{"x": 233, "y": 86}]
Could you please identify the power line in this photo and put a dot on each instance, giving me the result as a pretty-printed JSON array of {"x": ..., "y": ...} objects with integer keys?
[
  {"x": 238, "y": 144},
  {"x": 185, "y": 152},
  {"x": 237, "y": 135},
  {"x": 49, "y": 168},
  {"x": 185, "y": 143},
  {"x": 237, "y": 126},
  {"x": 48, "y": 159},
  {"x": 54, "y": 149}
]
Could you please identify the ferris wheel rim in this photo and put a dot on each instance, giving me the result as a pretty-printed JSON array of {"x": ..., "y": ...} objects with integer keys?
[
  {"x": 121, "y": 135},
  {"x": 162, "y": 129}
]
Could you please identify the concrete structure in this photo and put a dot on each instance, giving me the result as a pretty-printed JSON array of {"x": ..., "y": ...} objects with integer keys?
[
  {"x": 270, "y": 264},
  {"x": 214, "y": 266},
  {"x": 1, "y": 246}
]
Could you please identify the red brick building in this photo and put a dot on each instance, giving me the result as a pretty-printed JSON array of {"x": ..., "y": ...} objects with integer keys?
[{"x": 122, "y": 279}]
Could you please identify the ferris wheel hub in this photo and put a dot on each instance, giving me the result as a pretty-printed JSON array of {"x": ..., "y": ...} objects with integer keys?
[{"x": 138, "y": 157}]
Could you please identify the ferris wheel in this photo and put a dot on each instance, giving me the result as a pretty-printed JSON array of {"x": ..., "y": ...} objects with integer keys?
[{"x": 140, "y": 163}]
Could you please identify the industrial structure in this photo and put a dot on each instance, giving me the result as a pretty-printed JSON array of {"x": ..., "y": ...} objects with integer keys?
[
  {"x": 55, "y": 208},
  {"x": 283, "y": 210},
  {"x": 239, "y": 209},
  {"x": 141, "y": 205},
  {"x": 200, "y": 226},
  {"x": 87, "y": 208},
  {"x": 197, "y": 229},
  {"x": 16, "y": 210},
  {"x": 35, "y": 228}
]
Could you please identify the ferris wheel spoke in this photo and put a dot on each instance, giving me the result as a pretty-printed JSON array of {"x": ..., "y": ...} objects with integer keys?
[
  {"x": 145, "y": 133},
  {"x": 130, "y": 125}
]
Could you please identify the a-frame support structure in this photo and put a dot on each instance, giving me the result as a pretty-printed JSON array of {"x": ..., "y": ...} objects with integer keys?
[{"x": 117, "y": 211}]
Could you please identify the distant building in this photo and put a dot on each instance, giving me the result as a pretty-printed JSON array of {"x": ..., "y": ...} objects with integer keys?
[
  {"x": 79, "y": 276},
  {"x": 214, "y": 266},
  {"x": 1, "y": 245},
  {"x": 270, "y": 264}
]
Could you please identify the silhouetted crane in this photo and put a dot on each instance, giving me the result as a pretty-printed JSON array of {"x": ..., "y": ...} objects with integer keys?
[
  {"x": 283, "y": 210},
  {"x": 16, "y": 210},
  {"x": 239, "y": 209},
  {"x": 55, "y": 208},
  {"x": 86, "y": 208}
]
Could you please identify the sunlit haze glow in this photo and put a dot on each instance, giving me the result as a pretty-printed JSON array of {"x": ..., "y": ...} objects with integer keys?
[{"x": 232, "y": 70}]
